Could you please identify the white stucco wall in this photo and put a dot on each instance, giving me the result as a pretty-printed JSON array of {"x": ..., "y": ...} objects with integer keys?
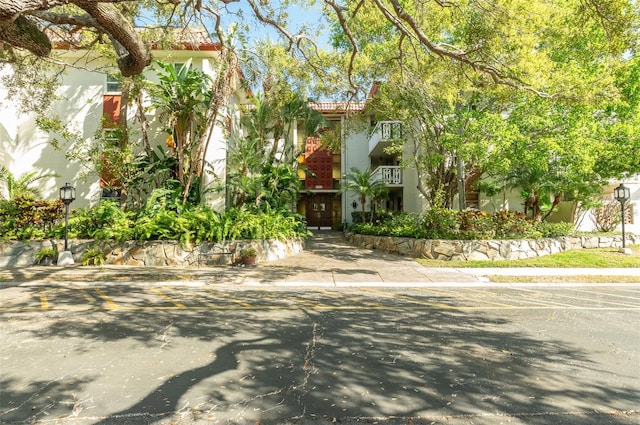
[
  {"x": 355, "y": 153},
  {"x": 586, "y": 220},
  {"x": 24, "y": 148}
]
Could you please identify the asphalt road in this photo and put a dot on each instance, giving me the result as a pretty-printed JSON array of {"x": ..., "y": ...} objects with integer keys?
[{"x": 110, "y": 353}]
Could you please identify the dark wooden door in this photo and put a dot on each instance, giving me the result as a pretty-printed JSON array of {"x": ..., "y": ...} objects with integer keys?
[{"x": 319, "y": 210}]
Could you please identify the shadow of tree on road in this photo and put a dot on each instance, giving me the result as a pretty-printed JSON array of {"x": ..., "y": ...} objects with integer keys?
[{"x": 245, "y": 365}]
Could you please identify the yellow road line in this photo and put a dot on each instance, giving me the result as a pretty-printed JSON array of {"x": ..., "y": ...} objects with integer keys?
[
  {"x": 410, "y": 299},
  {"x": 110, "y": 304},
  {"x": 167, "y": 298},
  {"x": 592, "y": 300},
  {"x": 606, "y": 294},
  {"x": 228, "y": 297},
  {"x": 87, "y": 296},
  {"x": 515, "y": 298},
  {"x": 339, "y": 296},
  {"x": 314, "y": 307},
  {"x": 464, "y": 297},
  {"x": 44, "y": 303}
]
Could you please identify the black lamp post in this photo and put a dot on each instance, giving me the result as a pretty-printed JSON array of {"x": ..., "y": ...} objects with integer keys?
[
  {"x": 67, "y": 195},
  {"x": 622, "y": 195}
]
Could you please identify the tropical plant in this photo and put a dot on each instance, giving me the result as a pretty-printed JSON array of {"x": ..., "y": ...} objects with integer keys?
[
  {"x": 27, "y": 218},
  {"x": 104, "y": 221},
  {"x": 22, "y": 186},
  {"x": 365, "y": 186},
  {"x": 263, "y": 162},
  {"x": 183, "y": 96},
  {"x": 248, "y": 252},
  {"x": 190, "y": 100},
  {"x": 93, "y": 256},
  {"x": 45, "y": 254}
]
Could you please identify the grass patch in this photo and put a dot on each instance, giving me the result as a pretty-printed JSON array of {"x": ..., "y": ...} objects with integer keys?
[
  {"x": 578, "y": 258},
  {"x": 564, "y": 279}
]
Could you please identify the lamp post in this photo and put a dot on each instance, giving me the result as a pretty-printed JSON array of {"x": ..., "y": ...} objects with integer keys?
[
  {"x": 622, "y": 194},
  {"x": 67, "y": 196}
]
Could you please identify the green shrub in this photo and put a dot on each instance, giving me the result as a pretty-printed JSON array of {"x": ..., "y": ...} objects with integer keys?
[
  {"x": 45, "y": 253},
  {"x": 473, "y": 224},
  {"x": 405, "y": 225},
  {"x": 553, "y": 230},
  {"x": 161, "y": 218},
  {"x": 512, "y": 225},
  {"x": 93, "y": 257},
  {"x": 443, "y": 223},
  {"x": 105, "y": 221},
  {"x": 25, "y": 218}
]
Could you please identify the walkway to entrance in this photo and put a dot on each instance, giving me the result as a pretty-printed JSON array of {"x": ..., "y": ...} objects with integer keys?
[{"x": 328, "y": 259}]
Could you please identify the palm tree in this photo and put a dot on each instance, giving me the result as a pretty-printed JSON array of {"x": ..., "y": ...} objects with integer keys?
[
  {"x": 184, "y": 96},
  {"x": 364, "y": 185},
  {"x": 22, "y": 186}
]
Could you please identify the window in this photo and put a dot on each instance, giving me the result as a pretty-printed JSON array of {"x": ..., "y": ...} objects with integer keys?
[{"x": 114, "y": 85}]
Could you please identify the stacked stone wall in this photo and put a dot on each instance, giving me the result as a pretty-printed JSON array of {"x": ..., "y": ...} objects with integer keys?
[
  {"x": 153, "y": 253},
  {"x": 512, "y": 249}
]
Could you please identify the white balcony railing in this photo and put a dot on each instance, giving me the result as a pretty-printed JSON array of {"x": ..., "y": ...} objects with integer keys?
[
  {"x": 383, "y": 134},
  {"x": 388, "y": 174}
]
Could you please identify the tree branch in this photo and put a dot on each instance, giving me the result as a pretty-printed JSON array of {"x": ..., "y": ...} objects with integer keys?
[
  {"x": 134, "y": 55},
  {"x": 347, "y": 31},
  {"x": 22, "y": 32}
]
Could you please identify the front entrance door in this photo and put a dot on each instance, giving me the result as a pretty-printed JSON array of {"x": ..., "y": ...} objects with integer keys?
[{"x": 319, "y": 210}]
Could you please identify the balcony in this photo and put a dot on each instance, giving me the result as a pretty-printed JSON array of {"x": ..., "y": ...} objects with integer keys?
[
  {"x": 383, "y": 134},
  {"x": 390, "y": 175}
]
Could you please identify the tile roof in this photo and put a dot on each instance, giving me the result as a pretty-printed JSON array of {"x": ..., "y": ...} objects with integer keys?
[{"x": 182, "y": 38}]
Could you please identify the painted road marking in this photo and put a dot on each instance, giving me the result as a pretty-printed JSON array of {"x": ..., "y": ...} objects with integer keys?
[
  {"x": 606, "y": 294},
  {"x": 44, "y": 302},
  {"x": 556, "y": 294},
  {"x": 464, "y": 297},
  {"x": 121, "y": 308},
  {"x": 409, "y": 299},
  {"x": 228, "y": 297},
  {"x": 527, "y": 300},
  {"x": 87, "y": 296},
  {"x": 110, "y": 304},
  {"x": 167, "y": 298},
  {"x": 317, "y": 299},
  {"x": 338, "y": 296}
]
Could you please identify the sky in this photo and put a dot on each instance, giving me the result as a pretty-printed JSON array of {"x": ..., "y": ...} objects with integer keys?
[{"x": 310, "y": 18}]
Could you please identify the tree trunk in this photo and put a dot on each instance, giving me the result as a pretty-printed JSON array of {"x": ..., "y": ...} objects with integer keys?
[
  {"x": 23, "y": 33},
  {"x": 556, "y": 201},
  {"x": 134, "y": 55}
]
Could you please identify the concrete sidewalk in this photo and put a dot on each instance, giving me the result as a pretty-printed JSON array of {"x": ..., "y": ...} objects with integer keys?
[{"x": 326, "y": 261}]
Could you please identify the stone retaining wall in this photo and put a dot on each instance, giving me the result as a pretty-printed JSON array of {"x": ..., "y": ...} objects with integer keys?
[
  {"x": 153, "y": 253},
  {"x": 484, "y": 249}
]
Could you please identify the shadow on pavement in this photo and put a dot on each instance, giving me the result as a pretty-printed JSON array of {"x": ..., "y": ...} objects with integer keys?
[{"x": 250, "y": 366}]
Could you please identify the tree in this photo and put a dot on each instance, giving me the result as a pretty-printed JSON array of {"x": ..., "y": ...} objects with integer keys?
[
  {"x": 446, "y": 118},
  {"x": 192, "y": 103},
  {"x": 554, "y": 140},
  {"x": 514, "y": 43},
  {"x": 501, "y": 39},
  {"x": 365, "y": 186},
  {"x": 262, "y": 161},
  {"x": 183, "y": 96},
  {"x": 21, "y": 27}
]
